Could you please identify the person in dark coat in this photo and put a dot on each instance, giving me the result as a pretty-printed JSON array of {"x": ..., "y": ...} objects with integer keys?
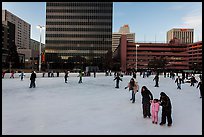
[
  {"x": 146, "y": 97},
  {"x": 200, "y": 86},
  {"x": 80, "y": 76},
  {"x": 193, "y": 80},
  {"x": 94, "y": 73},
  {"x": 134, "y": 75},
  {"x": 32, "y": 79},
  {"x": 117, "y": 78},
  {"x": 65, "y": 76},
  {"x": 156, "y": 78},
  {"x": 178, "y": 81},
  {"x": 183, "y": 76},
  {"x": 166, "y": 109}
]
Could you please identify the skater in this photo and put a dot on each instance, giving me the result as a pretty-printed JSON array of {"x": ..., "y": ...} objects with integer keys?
[
  {"x": 183, "y": 76},
  {"x": 155, "y": 109},
  {"x": 94, "y": 73},
  {"x": 200, "y": 86},
  {"x": 178, "y": 81},
  {"x": 65, "y": 77},
  {"x": 22, "y": 75},
  {"x": 193, "y": 80},
  {"x": 156, "y": 78},
  {"x": 146, "y": 97},
  {"x": 12, "y": 74},
  {"x": 134, "y": 75},
  {"x": 166, "y": 109},
  {"x": 80, "y": 77},
  {"x": 32, "y": 79},
  {"x": 117, "y": 78},
  {"x": 132, "y": 85}
]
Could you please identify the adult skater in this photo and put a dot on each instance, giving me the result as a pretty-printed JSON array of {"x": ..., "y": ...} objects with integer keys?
[
  {"x": 133, "y": 86},
  {"x": 193, "y": 80},
  {"x": 65, "y": 76},
  {"x": 166, "y": 109},
  {"x": 80, "y": 77},
  {"x": 117, "y": 78},
  {"x": 94, "y": 73},
  {"x": 12, "y": 74},
  {"x": 32, "y": 79},
  {"x": 178, "y": 81},
  {"x": 200, "y": 86},
  {"x": 156, "y": 78},
  {"x": 146, "y": 97}
]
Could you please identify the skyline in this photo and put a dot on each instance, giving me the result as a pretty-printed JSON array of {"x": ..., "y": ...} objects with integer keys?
[{"x": 148, "y": 25}]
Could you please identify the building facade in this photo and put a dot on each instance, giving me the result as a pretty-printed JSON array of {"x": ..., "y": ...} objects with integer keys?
[
  {"x": 124, "y": 30},
  {"x": 78, "y": 34},
  {"x": 195, "y": 55},
  {"x": 184, "y": 35},
  {"x": 22, "y": 29}
]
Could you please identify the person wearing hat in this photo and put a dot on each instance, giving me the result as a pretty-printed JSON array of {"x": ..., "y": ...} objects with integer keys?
[
  {"x": 133, "y": 85},
  {"x": 165, "y": 102}
]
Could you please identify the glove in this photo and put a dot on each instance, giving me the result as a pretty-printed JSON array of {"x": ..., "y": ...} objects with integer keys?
[{"x": 125, "y": 87}]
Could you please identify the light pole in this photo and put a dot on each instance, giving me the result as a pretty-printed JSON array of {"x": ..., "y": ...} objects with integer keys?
[
  {"x": 40, "y": 27},
  {"x": 136, "y": 56}
]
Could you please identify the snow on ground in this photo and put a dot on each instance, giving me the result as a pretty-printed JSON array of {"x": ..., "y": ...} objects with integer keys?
[{"x": 94, "y": 107}]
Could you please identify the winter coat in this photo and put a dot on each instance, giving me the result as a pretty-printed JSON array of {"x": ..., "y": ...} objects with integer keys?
[
  {"x": 156, "y": 78},
  {"x": 33, "y": 76},
  {"x": 154, "y": 106},
  {"x": 134, "y": 87},
  {"x": 146, "y": 96},
  {"x": 165, "y": 102},
  {"x": 117, "y": 78},
  {"x": 178, "y": 80}
]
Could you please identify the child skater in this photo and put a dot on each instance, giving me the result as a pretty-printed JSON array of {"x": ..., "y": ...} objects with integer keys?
[{"x": 155, "y": 109}]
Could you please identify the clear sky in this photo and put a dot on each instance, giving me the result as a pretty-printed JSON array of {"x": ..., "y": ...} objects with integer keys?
[{"x": 150, "y": 21}]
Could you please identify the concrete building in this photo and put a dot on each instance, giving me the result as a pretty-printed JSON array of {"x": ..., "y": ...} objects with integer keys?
[
  {"x": 22, "y": 29},
  {"x": 124, "y": 30},
  {"x": 184, "y": 35},
  {"x": 78, "y": 34}
]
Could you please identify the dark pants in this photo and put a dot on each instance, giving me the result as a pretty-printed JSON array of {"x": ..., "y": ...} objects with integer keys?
[
  {"x": 117, "y": 84},
  {"x": 80, "y": 80},
  {"x": 32, "y": 84},
  {"x": 166, "y": 114},
  {"x": 65, "y": 80},
  {"x": 146, "y": 109},
  {"x": 133, "y": 97},
  {"x": 178, "y": 86},
  {"x": 192, "y": 84}
]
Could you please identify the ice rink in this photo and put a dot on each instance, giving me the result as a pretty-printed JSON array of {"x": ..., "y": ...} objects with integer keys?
[{"x": 94, "y": 107}]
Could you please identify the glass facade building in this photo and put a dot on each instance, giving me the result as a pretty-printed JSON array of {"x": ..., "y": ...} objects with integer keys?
[{"x": 78, "y": 34}]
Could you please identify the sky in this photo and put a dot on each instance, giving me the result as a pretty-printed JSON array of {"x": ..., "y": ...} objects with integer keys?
[{"x": 150, "y": 21}]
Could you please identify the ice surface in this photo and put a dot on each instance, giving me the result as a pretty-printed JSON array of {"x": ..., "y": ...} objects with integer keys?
[{"x": 94, "y": 107}]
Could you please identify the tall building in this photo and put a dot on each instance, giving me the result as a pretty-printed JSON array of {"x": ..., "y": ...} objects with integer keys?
[
  {"x": 22, "y": 29},
  {"x": 78, "y": 34},
  {"x": 124, "y": 30},
  {"x": 184, "y": 35}
]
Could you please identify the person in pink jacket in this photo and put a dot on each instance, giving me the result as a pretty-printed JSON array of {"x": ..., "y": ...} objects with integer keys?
[{"x": 155, "y": 109}]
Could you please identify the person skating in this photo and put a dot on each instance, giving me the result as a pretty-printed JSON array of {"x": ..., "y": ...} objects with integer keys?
[
  {"x": 117, "y": 78},
  {"x": 156, "y": 78},
  {"x": 32, "y": 79},
  {"x": 200, "y": 86},
  {"x": 178, "y": 81},
  {"x": 22, "y": 75},
  {"x": 12, "y": 74},
  {"x": 146, "y": 97},
  {"x": 193, "y": 80},
  {"x": 80, "y": 76},
  {"x": 65, "y": 76},
  {"x": 133, "y": 86},
  {"x": 166, "y": 109},
  {"x": 154, "y": 109},
  {"x": 94, "y": 73}
]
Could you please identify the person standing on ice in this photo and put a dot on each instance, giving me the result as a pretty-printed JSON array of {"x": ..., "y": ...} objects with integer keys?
[
  {"x": 80, "y": 76},
  {"x": 166, "y": 109},
  {"x": 117, "y": 78},
  {"x": 200, "y": 86},
  {"x": 178, "y": 81},
  {"x": 12, "y": 74},
  {"x": 133, "y": 86},
  {"x": 155, "y": 109},
  {"x": 22, "y": 75},
  {"x": 32, "y": 79},
  {"x": 156, "y": 78},
  {"x": 146, "y": 97},
  {"x": 193, "y": 80},
  {"x": 65, "y": 77}
]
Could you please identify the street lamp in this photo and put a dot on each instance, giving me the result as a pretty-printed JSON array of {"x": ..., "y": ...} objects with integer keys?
[
  {"x": 40, "y": 27},
  {"x": 136, "y": 56}
]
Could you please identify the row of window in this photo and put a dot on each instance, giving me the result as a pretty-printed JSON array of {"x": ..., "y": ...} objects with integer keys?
[
  {"x": 80, "y": 29},
  {"x": 78, "y": 35},
  {"x": 77, "y": 42},
  {"x": 78, "y": 48},
  {"x": 79, "y": 23},
  {"x": 80, "y": 4},
  {"x": 79, "y": 17},
  {"x": 78, "y": 11}
]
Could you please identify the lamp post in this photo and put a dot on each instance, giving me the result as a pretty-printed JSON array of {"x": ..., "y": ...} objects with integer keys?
[
  {"x": 136, "y": 56},
  {"x": 40, "y": 27}
]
